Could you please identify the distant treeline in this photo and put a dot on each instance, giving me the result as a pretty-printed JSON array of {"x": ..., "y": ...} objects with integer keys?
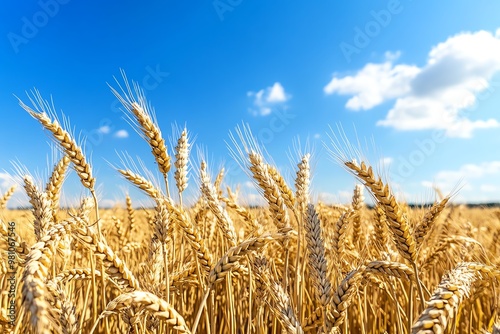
[{"x": 411, "y": 205}]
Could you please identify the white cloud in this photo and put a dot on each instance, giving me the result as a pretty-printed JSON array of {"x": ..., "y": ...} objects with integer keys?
[
  {"x": 341, "y": 197},
  {"x": 385, "y": 162},
  {"x": 104, "y": 129},
  {"x": 276, "y": 94},
  {"x": 471, "y": 177},
  {"x": 6, "y": 181},
  {"x": 373, "y": 84},
  {"x": 427, "y": 184},
  {"x": 266, "y": 99},
  {"x": 121, "y": 134},
  {"x": 438, "y": 95},
  {"x": 249, "y": 184},
  {"x": 488, "y": 188},
  {"x": 108, "y": 203},
  {"x": 317, "y": 136},
  {"x": 254, "y": 199}
]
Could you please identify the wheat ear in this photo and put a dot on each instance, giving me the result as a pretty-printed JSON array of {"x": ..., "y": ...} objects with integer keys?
[
  {"x": 339, "y": 238},
  {"x": 357, "y": 206},
  {"x": 318, "y": 263},
  {"x": 252, "y": 224},
  {"x": 8, "y": 194},
  {"x": 232, "y": 257},
  {"x": 283, "y": 309},
  {"x": 389, "y": 268},
  {"x": 151, "y": 304},
  {"x": 380, "y": 228},
  {"x": 144, "y": 118},
  {"x": 153, "y": 134},
  {"x": 428, "y": 221},
  {"x": 181, "y": 163},
  {"x": 181, "y": 218},
  {"x": 42, "y": 208},
  {"x": 342, "y": 297},
  {"x": 271, "y": 190},
  {"x": 398, "y": 223},
  {"x": 67, "y": 143},
  {"x": 54, "y": 185},
  {"x": 223, "y": 220},
  {"x": 36, "y": 270},
  {"x": 302, "y": 182},
  {"x": 140, "y": 182},
  {"x": 130, "y": 215},
  {"x": 230, "y": 260},
  {"x": 445, "y": 301},
  {"x": 115, "y": 267},
  {"x": 285, "y": 190}
]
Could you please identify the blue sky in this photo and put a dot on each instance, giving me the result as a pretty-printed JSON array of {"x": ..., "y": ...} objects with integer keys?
[{"x": 419, "y": 79}]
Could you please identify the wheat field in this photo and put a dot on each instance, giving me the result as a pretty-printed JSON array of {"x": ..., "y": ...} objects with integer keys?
[{"x": 218, "y": 266}]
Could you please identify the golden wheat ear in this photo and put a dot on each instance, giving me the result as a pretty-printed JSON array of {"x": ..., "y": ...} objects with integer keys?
[
  {"x": 42, "y": 208},
  {"x": 55, "y": 183},
  {"x": 302, "y": 183},
  {"x": 45, "y": 114},
  {"x": 5, "y": 198},
  {"x": 317, "y": 259},
  {"x": 210, "y": 194},
  {"x": 449, "y": 295},
  {"x": 182, "y": 151},
  {"x": 142, "y": 117},
  {"x": 398, "y": 224},
  {"x": 150, "y": 303}
]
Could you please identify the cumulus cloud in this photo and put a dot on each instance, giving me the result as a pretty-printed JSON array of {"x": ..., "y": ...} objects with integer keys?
[
  {"x": 489, "y": 188},
  {"x": 374, "y": 84},
  {"x": 108, "y": 203},
  {"x": 249, "y": 184},
  {"x": 341, "y": 197},
  {"x": 104, "y": 129},
  {"x": 386, "y": 162},
  {"x": 121, "y": 134},
  {"x": 266, "y": 99},
  {"x": 439, "y": 95},
  {"x": 468, "y": 176},
  {"x": 6, "y": 181}
]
